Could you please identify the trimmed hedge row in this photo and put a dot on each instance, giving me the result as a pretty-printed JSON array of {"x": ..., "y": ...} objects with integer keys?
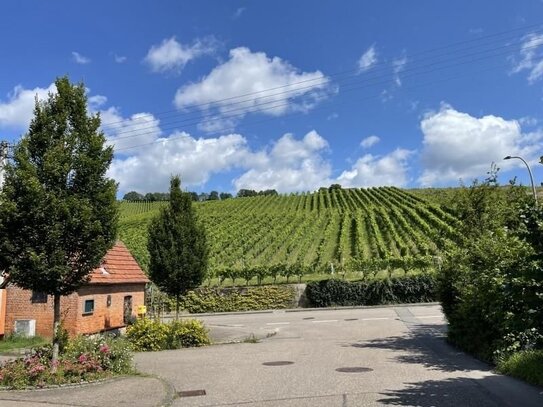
[
  {"x": 408, "y": 289},
  {"x": 238, "y": 299}
]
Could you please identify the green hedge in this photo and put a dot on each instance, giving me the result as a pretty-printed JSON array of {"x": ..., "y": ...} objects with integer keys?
[
  {"x": 238, "y": 299},
  {"x": 408, "y": 289}
]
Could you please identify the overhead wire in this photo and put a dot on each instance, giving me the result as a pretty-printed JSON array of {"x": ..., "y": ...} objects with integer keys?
[
  {"x": 408, "y": 73},
  {"x": 348, "y": 73}
]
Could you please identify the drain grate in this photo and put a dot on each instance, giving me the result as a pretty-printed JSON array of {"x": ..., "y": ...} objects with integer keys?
[
  {"x": 309, "y": 318},
  {"x": 278, "y": 363},
  {"x": 191, "y": 393},
  {"x": 354, "y": 369}
]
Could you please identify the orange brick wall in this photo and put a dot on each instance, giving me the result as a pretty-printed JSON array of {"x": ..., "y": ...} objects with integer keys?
[
  {"x": 20, "y": 306},
  {"x": 105, "y": 317}
]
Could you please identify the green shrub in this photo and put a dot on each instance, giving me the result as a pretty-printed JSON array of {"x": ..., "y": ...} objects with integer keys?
[
  {"x": 526, "y": 365},
  {"x": 150, "y": 335},
  {"x": 408, "y": 289},
  {"x": 238, "y": 299},
  {"x": 147, "y": 335},
  {"x": 489, "y": 290},
  {"x": 186, "y": 334}
]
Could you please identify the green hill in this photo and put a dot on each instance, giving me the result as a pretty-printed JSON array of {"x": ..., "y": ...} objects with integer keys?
[{"x": 328, "y": 227}]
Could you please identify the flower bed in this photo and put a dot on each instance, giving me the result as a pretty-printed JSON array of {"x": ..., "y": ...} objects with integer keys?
[{"x": 83, "y": 360}]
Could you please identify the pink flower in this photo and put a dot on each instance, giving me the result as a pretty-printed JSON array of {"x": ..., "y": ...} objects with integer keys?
[
  {"x": 104, "y": 348},
  {"x": 82, "y": 358}
]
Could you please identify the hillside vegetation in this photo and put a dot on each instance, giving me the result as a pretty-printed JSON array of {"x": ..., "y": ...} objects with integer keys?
[{"x": 325, "y": 230}]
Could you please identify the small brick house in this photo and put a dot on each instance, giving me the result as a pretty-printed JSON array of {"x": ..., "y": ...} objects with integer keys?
[{"x": 113, "y": 294}]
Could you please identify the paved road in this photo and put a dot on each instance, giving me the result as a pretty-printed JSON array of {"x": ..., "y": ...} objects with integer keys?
[{"x": 358, "y": 357}]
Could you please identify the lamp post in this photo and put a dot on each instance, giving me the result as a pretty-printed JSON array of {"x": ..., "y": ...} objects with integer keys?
[{"x": 529, "y": 171}]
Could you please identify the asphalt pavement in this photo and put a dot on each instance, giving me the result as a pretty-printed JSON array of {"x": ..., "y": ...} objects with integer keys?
[{"x": 348, "y": 357}]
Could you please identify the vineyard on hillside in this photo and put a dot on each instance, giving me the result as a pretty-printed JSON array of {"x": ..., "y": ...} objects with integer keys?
[{"x": 320, "y": 232}]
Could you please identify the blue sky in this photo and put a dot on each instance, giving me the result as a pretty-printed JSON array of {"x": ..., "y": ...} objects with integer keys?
[{"x": 290, "y": 95}]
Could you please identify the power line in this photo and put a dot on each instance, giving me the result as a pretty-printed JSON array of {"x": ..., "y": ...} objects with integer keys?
[
  {"x": 526, "y": 30},
  {"x": 372, "y": 97},
  {"x": 278, "y": 104},
  {"x": 409, "y": 72}
]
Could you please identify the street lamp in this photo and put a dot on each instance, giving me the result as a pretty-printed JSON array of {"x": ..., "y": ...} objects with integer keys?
[{"x": 529, "y": 171}]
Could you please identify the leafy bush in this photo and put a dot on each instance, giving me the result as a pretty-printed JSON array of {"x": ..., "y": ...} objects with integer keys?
[
  {"x": 238, "y": 299},
  {"x": 84, "y": 359},
  {"x": 526, "y": 365},
  {"x": 147, "y": 335},
  {"x": 186, "y": 334},
  {"x": 150, "y": 335},
  {"x": 490, "y": 284},
  {"x": 409, "y": 289}
]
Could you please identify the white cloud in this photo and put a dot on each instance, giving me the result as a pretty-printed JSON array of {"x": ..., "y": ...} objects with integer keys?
[
  {"x": 370, "y": 141},
  {"x": 398, "y": 65},
  {"x": 17, "y": 111},
  {"x": 80, "y": 59},
  {"x": 96, "y": 101},
  {"x": 119, "y": 58},
  {"x": 238, "y": 13},
  {"x": 370, "y": 170},
  {"x": 368, "y": 59},
  {"x": 531, "y": 57},
  {"x": 253, "y": 82},
  {"x": 459, "y": 146},
  {"x": 290, "y": 165},
  {"x": 172, "y": 56},
  {"x": 196, "y": 160},
  {"x": 137, "y": 131}
]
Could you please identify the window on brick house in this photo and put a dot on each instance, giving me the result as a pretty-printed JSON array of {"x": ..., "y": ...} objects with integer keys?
[
  {"x": 38, "y": 297},
  {"x": 89, "y": 307}
]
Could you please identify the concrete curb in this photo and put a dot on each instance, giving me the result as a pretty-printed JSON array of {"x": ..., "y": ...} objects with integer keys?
[{"x": 271, "y": 311}]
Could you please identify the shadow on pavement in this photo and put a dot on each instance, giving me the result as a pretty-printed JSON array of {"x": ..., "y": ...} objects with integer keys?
[
  {"x": 427, "y": 346},
  {"x": 448, "y": 392}
]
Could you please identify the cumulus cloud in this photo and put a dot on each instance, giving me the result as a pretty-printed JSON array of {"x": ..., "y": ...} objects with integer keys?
[
  {"x": 17, "y": 111},
  {"x": 253, "y": 82},
  {"x": 132, "y": 134},
  {"x": 368, "y": 59},
  {"x": 531, "y": 57},
  {"x": 290, "y": 165},
  {"x": 195, "y": 159},
  {"x": 457, "y": 145},
  {"x": 369, "y": 141},
  {"x": 370, "y": 171},
  {"x": 80, "y": 59},
  {"x": 171, "y": 55}
]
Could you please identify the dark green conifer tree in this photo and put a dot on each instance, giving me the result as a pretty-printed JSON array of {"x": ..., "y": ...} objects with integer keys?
[{"x": 177, "y": 246}]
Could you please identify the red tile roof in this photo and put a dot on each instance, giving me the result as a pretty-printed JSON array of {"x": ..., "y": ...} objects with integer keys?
[{"x": 118, "y": 267}]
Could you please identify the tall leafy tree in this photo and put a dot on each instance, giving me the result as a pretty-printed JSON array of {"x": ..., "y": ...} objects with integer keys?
[
  {"x": 58, "y": 212},
  {"x": 177, "y": 246}
]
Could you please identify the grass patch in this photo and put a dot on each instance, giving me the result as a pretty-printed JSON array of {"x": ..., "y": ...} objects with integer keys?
[
  {"x": 526, "y": 365},
  {"x": 13, "y": 342}
]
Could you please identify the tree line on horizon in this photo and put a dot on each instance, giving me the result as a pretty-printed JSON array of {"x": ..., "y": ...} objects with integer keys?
[{"x": 201, "y": 197}]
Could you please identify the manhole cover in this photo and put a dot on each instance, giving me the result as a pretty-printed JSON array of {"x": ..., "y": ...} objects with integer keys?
[
  {"x": 278, "y": 363},
  {"x": 191, "y": 393},
  {"x": 355, "y": 369}
]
